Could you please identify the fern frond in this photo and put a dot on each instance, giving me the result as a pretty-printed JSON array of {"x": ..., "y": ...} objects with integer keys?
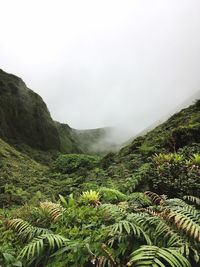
[
  {"x": 189, "y": 251},
  {"x": 155, "y": 198},
  {"x": 144, "y": 220},
  {"x": 54, "y": 210},
  {"x": 175, "y": 202},
  {"x": 40, "y": 244},
  {"x": 185, "y": 224},
  {"x": 192, "y": 199},
  {"x": 25, "y": 230},
  {"x": 113, "y": 211},
  {"x": 188, "y": 211},
  {"x": 153, "y": 256},
  {"x": 139, "y": 199},
  {"x": 167, "y": 235},
  {"x": 128, "y": 228},
  {"x": 157, "y": 228},
  {"x": 151, "y": 211}
]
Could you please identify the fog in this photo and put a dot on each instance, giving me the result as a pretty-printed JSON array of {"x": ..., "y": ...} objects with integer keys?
[{"x": 123, "y": 64}]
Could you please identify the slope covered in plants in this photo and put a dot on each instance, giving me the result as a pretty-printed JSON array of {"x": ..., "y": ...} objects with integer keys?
[
  {"x": 26, "y": 123},
  {"x": 19, "y": 174},
  {"x": 24, "y": 117},
  {"x": 138, "y": 207},
  {"x": 176, "y": 142}
]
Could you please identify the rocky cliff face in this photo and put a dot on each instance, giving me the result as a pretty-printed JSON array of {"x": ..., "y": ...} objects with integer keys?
[{"x": 24, "y": 117}]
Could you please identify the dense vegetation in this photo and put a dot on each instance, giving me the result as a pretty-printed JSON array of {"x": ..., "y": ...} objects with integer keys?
[
  {"x": 138, "y": 207},
  {"x": 142, "y": 229}
]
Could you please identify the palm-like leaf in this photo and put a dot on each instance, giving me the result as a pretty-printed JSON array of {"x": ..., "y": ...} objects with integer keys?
[
  {"x": 113, "y": 211},
  {"x": 155, "y": 198},
  {"x": 184, "y": 223},
  {"x": 192, "y": 199},
  {"x": 127, "y": 228},
  {"x": 40, "y": 244},
  {"x": 25, "y": 230},
  {"x": 153, "y": 256},
  {"x": 54, "y": 210}
]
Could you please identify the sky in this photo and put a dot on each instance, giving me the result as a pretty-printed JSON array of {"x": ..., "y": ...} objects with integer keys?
[{"x": 102, "y": 63}]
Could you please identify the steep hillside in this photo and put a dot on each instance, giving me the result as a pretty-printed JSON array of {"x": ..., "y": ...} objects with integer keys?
[
  {"x": 92, "y": 141},
  {"x": 26, "y": 123},
  {"x": 24, "y": 117},
  {"x": 18, "y": 175},
  {"x": 135, "y": 166},
  {"x": 165, "y": 160},
  {"x": 181, "y": 129},
  {"x": 68, "y": 142}
]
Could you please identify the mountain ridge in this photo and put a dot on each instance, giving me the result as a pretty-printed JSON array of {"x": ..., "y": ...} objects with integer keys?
[{"x": 26, "y": 120}]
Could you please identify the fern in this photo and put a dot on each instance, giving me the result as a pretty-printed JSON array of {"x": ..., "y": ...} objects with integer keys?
[
  {"x": 155, "y": 198},
  {"x": 37, "y": 247},
  {"x": 54, "y": 210},
  {"x": 175, "y": 202},
  {"x": 25, "y": 230},
  {"x": 139, "y": 199},
  {"x": 158, "y": 230},
  {"x": 127, "y": 228},
  {"x": 184, "y": 223},
  {"x": 192, "y": 199},
  {"x": 157, "y": 257},
  {"x": 188, "y": 211},
  {"x": 166, "y": 235},
  {"x": 113, "y": 211}
]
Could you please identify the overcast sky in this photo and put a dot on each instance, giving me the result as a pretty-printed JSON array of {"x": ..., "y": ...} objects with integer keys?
[{"x": 104, "y": 63}]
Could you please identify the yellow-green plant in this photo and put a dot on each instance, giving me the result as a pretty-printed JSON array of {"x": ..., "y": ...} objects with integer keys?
[
  {"x": 90, "y": 197},
  {"x": 162, "y": 158},
  {"x": 194, "y": 160}
]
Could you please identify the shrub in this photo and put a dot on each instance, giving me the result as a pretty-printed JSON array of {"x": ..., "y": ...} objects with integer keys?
[
  {"x": 70, "y": 163},
  {"x": 111, "y": 195},
  {"x": 175, "y": 175}
]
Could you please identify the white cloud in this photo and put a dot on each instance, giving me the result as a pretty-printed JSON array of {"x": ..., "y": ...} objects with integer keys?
[{"x": 104, "y": 63}]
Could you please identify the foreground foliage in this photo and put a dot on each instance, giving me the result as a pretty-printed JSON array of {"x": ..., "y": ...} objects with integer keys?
[{"x": 87, "y": 231}]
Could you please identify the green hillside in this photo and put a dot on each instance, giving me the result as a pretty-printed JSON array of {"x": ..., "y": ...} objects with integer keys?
[
  {"x": 18, "y": 174},
  {"x": 133, "y": 168},
  {"x": 138, "y": 207},
  {"x": 24, "y": 117},
  {"x": 26, "y": 123}
]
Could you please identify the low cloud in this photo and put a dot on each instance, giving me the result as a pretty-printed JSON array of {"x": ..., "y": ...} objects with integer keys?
[{"x": 122, "y": 64}]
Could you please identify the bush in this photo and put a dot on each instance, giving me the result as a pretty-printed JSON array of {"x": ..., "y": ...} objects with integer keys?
[
  {"x": 175, "y": 174},
  {"x": 111, "y": 195},
  {"x": 13, "y": 195},
  {"x": 70, "y": 163}
]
